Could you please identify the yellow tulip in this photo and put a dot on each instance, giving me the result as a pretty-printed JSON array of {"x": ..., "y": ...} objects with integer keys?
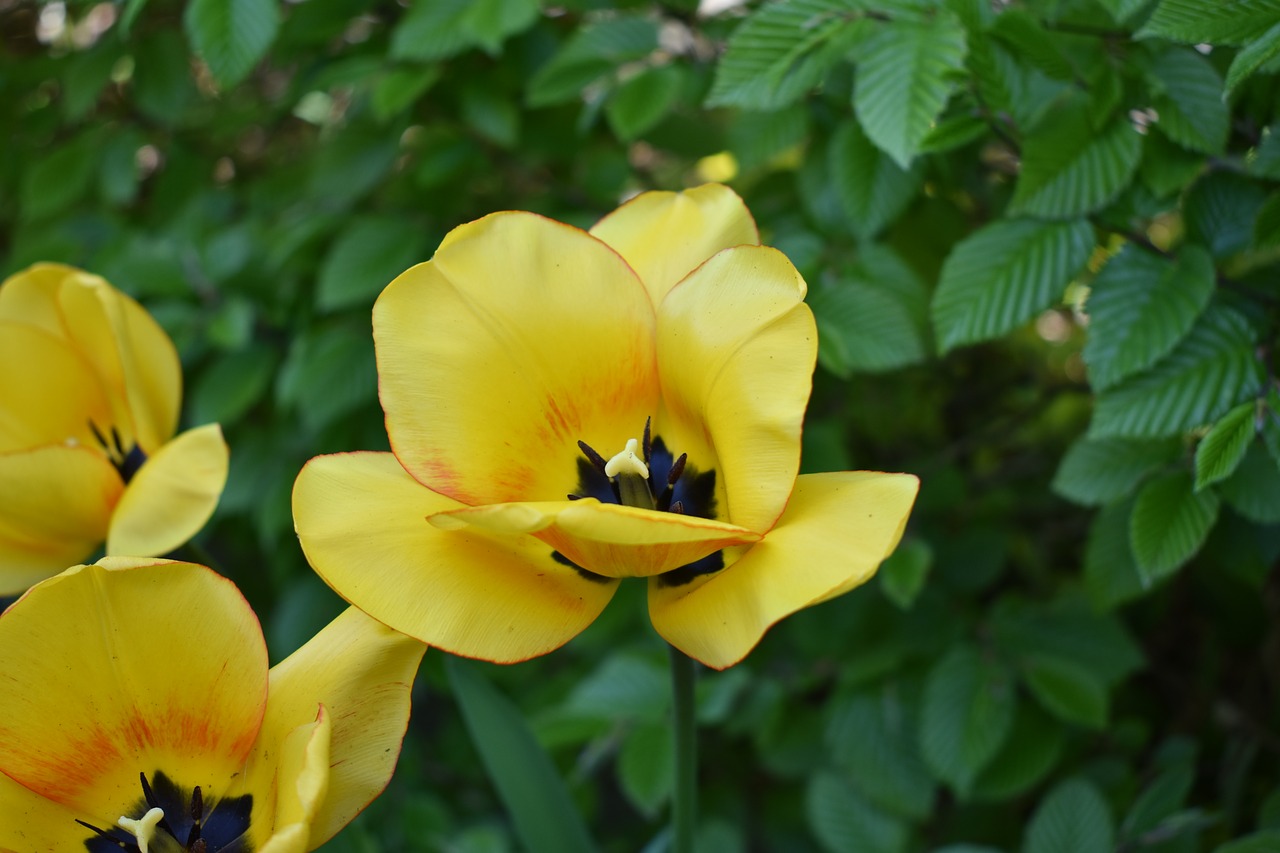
[
  {"x": 147, "y": 719},
  {"x": 569, "y": 408},
  {"x": 90, "y": 388}
]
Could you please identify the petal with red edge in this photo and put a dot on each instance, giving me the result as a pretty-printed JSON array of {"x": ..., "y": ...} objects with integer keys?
[
  {"x": 665, "y": 235},
  {"x": 362, "y": 523},
  {"x": 836, "y": 531},
  {"x": 30, "y": 823},
  {"x": 55, "y": 505},
  {"x": 519, "y": 338},
  {"x": 736, "y": 350},
  {"x": 48, "y": 393},
  {"x": 143, "y": 666},
  {"x": 607, "y": 539},
  {"x": 301, "y": 783},
  {"x": 172, "y": 495}
]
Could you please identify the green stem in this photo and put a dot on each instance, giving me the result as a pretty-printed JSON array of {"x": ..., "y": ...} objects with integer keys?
[{"x": 684, "y": 809}]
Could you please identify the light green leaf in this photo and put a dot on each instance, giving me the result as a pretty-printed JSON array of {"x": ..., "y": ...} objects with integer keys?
[
  {"x": 782, "y": 51},
  {"x": 400, "y": 88},
  {"x": 623, "y": 687},
  {"x": 1212, "y": 369},
  {"x": 527, "y": 782},
  {"x": 1003, "y": 275},
  {"x": 1254, "y": 489},
  {"x": 1097, "y": 471},
  {"x": 231, "y": 36},
  {"x": 1073, "y": 818},
  {"x": 366, "y": 257},
  {"x": 1170, "y": 523},
  {"x": 872, "y": 736},
  {"x": 873, "y": 189},
  {"x": 1030, "y": 753},
  {"x": 643, "y": 101},
  {"x": 1067, "y": 690},
  {"x": 954, "y": 132},
  {"x": 1070, "y": 168},
  {"x": 903, "y": 574},
  {"x": 1140, "y": 306},
  {"x": 646, "y": 766},
  {"x": 1122, "y": 10},
  {"x": 1219, "y": 211},
  {"x": 843, "y": 820},
  {"x": 1188, "y": 100},
  {"x": 1111, "y": 575},
  {"x": 906, "y": 71},
  {"x": 1212, "y": 21},
  {"x": 1253, "y": 56},
  {"x": 1219, "y": 453},
  {"x": 442, "y": 28},
  {"x": 967, "y": 714},
  {"x": 594, "y": 51}
]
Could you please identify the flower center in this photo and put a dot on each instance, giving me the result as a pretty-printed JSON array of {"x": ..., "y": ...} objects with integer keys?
[
  {"x": 126, "y": 462},
  {"x": 169, "y": 819}
]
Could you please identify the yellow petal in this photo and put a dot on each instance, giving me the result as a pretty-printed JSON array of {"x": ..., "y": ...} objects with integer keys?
[
  {"x": 361, "y": 671},
  {"x": 301, "y": 783},
  {"x": 736, "y": 349},
  {"x": 48, "y": 393},
  {"x": 607, "y": 539},
  {"x": 519, "y": 338},
  {"x": 665, "y": 235},
  {"x": 31, "y": 824},
  {"x": 30, "y": 297},
  {"x": 142, "y": 667},
  {"x": 836, "y": 531},
  {"x": 362, "y": 523},
  {"x": 55, "y": 504},
  {"x": 172, "y": 495}
]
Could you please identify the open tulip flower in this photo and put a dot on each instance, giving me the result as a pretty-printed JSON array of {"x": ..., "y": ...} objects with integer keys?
[
  {"x": 138, "y": 714},
  {"x": 569, "y": 408},
  {"x": 90, "y": 388}
]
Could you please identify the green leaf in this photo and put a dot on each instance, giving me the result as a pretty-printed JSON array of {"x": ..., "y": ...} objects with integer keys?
[
  {"x": 1212, "y": 21},
  {"x": 1070, "y": 168},
  {"x": 1097, "y": 471},
  {"x": 1111, "y": 575},
  {"x": 1211, "y": 370},
  {"x": 1188, "y": 100},
  {"x": 1067, "y": 690},
  {"x": 1266, "y": 228},
  {"x": 232, "y": 385},
  {"x": 873, "y": 189},
  {"x": 1219, "y": 211},
  {"x": 1265, "y": 160},
  {"x": 162, "y": 80},
  {"x": 1254, "y": 489},
  {"x": 1066, "y": 628},
  {"x": 1003, "y": 275},
  {"x": 594, "y": 51},
  {"x": 906, "y": 71},
  {"x": 231, "y": 36},
  {"x": 86, "y": 74},
  {"x": 954, "y": 132},
  {"x": 872, "y": 736},
  {"x": 527, "y": 782},
  {"x": 366, "y": 257},
  {"x": 623, "y": 687},
  {"x": 1219, "y": 453},
  {"x": 1073, "y": 818},
  {"x": 874, "y": 317},
  {"x": 400, "y": 88},
  {"x": 1140, "y": 306},
  {"x": 643, "y": 101},
  {"x": 1029, "y": 40},
  {"x": 328, "y": 372},
  {"x": 444, "y": 28},
  {"x": 756, "y": 138},
  {"x": 1170, "y": 523},
  {"x": 782, "y": 51},
  {"x": 1167, "y": 168},
  {"x": 1027, "y": 757},
  {"x": 1253, "y": 56},
  {"x": 903, "y": 574},
  {"x": 967, "y": 714},
  {"x": 1122, "y": 10},
  {"x": 59, "y": 179},
  {"x": 1163, "y": 797},
  {"x": 646, "y": 766},
  {"x": 844, "y": 820},
  {"x": 1267, "y": 841}
]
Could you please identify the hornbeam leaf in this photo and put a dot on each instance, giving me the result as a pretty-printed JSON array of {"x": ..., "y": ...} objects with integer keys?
[
  {"x": 231, "y": 36},
  {"x": 1219, "y": 453},
  {"x": 1170, "y": 522}
]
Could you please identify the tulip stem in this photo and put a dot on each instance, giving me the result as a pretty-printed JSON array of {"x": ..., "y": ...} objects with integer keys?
[{"x": 684, "y": 808}]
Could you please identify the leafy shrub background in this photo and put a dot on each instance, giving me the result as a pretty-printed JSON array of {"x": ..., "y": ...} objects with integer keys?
[{"x": 1042, "y": 241}]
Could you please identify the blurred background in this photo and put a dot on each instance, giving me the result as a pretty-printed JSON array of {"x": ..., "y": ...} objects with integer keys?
[{"x": 1028, "y": 672}]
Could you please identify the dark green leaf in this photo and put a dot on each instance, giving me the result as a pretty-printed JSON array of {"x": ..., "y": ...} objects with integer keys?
[
  {"x": 443, "y": 28},
  {"x": 903, "y": 574},
  {"x": 1219, "y": 453},
  {"x": 86, "y": 75},
  {"x": 1253, "y": 56},
  {"x": 1254, "y": 489},
  {"x": 1259, "y": 842},
  {"x": 756, "y": 138},
  {"x": 328, "y": 373},
  {"x": 1030, "y": 753},
  {"x": 968, "y": 712},
  {"x": 1067, "y": 690},
  {"x": 1111, "y": 575},
  {"x": 1097, "y": 471},
  {"x": 1027, "y": 39},
  {"x": 622, "y": 687},
  {"x": 594, "y": 51},
  {"x": 232, "y": 385},
  {"x": 1220, "y": 210},
  {"x": 1068, "y": 629},
  {"x": 954, "y": 132},
  {"x": 368, "y": 254},
  {"x": 1169, "y": 524},
  {"x": 643, "y": 101},
  {"x": 1122, "y": 10},
  {"x": 873, "y": 738},
  {"x": 646, "y": 766},
  {"x": 1266, "y": 228},
  {"x": 1166, "y": 167},
  {"x": 399, "y": 88},
  {"x": 1003, "y": 275},
  {"x": 1212, "y": 21},
  {"x": 873, "y": 189},
  {"x": 231, "y": 36},
  {"x": 60, "y": 178},
  {"x": 844, "y": 821},
  {"x": 1188, "y": 100},
  {"x": 1159, "y": 800},
  {"x": 1073, "y": 818}
]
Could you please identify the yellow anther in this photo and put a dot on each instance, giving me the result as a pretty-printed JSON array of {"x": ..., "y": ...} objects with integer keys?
[
  {"x": 627, "y": 462},
  {"x": 144, "y": 828}
]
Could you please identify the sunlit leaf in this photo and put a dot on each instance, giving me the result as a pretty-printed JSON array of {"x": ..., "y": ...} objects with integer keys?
[
  {"x": 231, "y": 36},
  {"x": 1219, "y": 453}
]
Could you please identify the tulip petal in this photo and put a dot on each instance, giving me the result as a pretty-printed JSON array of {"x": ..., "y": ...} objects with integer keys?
[
  {"x": 301, "y": 784},
  {"x": 607, "y": 539},
  {"x": 50, "y": 392},
  {"x": 836, "y": 531},
  {"x": 361, "y": 520},
  {"x": 664, "y": 235},
  {"x": 144, "y": 666},
  {"x": 519, "y": 338},
  {"x": 736, "y": 350},
  {"x": 55, "y": 505},
  {"x": 31, "y": 824},
  {"x": 172, "y": 496},
  {"x": 361, "y": 671}
]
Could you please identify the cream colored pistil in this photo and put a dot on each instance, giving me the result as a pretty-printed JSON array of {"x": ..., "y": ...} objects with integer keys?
[
  {"x": 627, "y": 462},
  {"x": 143, "y": 828}
]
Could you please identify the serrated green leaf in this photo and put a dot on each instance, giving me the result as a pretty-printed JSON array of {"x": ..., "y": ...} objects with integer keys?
[
  {"x": 1219, "y": 212},
  {"x": 1097, "y": 471},
  {"x": 873, "y": 189},
  {"x": 954, "y": 132},
  {"x": 1253, "y": 56},
  {"x": 526, "y": 780},
  {"x": 443, "y": 28},
  {"x": 1159, "y": 800},
  {"x": 1212, "y": 21},
  {"x": 906, "y": 71},
  {"x": 902, "y": 575},
  {"x": 1254, "y": 489},
  {"x": 1188, "y": 100},
  {"x": 1068, "y": 629},
  {"x": 594, "y": 51},
  {"x": 1265, "y": 159},
  {"x": 1111, "y": 575},
  {"x": 1122, "y": 10},
  {"x": 1069, "y": 168},
  {"x": 1140, "y": 306},
  {"x": 843, "y": 820},
  {"x": 643, "y": 101},
  {"x": 1030, "y": 753},
  {"x": 1003, "y": 275},
  {"x": 646, "y": 766},
  {"x": 328, "y": 372},
  {"x": 1212, "y": 369},
  {"x": 1073, "y": 818},
  {"x": 1220, "y": 451},
  {"x": 782, "y": 51},
  {"x": 366, "y": 257},
  {"x": 622, "y": 687},
  {"x": 872, "y": 736},
  {"x": 231, "y": 36},
  {"x": 1267, "y": 841},
  {"x": 966, "y": 716},
  {"x": 1028, "y": 39},
  {"x": 1266, "y": 228},
  {"x": 1170, "y": 523},
  {"x": 1067, "y": 690}
]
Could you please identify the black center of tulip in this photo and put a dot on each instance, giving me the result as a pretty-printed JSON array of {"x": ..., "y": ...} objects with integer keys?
[
  {"x": 192, "y": 822},
  {"x": 126, "y": 461}
]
